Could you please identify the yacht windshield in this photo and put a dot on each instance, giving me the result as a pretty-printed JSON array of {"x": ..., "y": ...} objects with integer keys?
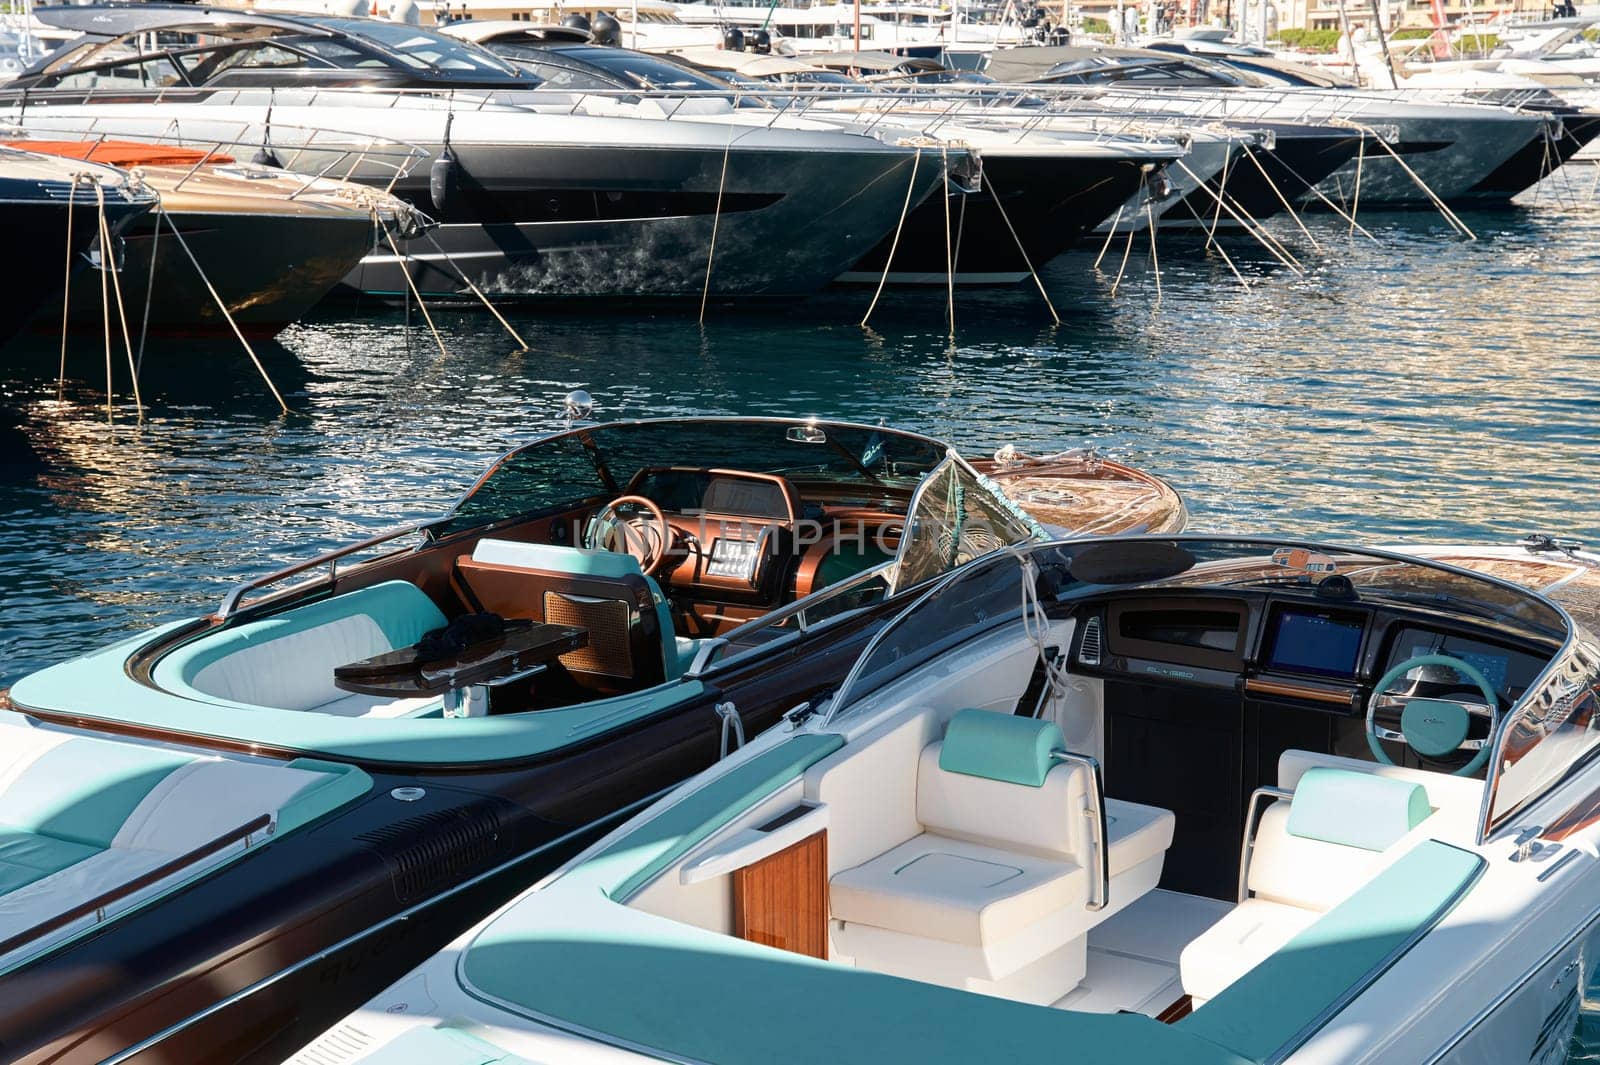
[
  {"x": 989, "y": 592},
  {"x": 846, "y": 463},
  {"x": 422, "y": 49}
]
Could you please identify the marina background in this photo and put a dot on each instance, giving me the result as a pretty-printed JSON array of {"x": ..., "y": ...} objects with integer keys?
[{"x": 1422, "y": 388}]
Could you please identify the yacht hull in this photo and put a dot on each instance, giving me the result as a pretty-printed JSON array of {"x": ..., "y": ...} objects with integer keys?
[
  {"x": 300, "y": 260},
  {"x": 561, "y": 223},
  {"x": 42, "y": 227},
  {"x": 1046, "y": 205},
  {"x": 1447, "y": 157},
  {"x": 1287, "y": 172}
]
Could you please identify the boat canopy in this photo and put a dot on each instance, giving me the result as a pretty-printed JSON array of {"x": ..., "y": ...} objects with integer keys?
[
  {"x": 871, "y": 465},
  {"x": 1550, "y": 731}
]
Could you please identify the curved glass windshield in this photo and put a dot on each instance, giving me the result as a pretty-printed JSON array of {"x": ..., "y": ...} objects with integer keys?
[
  {"x": 423, "y": 49},
  {"x": 845, "y": 463},
  {"x": 989, "y": 592}
]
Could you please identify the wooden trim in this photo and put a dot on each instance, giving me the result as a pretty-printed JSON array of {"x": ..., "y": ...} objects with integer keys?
[
  {"x": 138, "y": 883},
  {"x": 1177, "y": 1011},
  {"x": 1256, "y": 685},
  {"x": 782, "y": 900}
]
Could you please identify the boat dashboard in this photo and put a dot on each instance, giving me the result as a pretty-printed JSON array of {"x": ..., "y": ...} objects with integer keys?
[
  {"x": 750, "y": 541},
  {"x": 1298, "y": 648}
]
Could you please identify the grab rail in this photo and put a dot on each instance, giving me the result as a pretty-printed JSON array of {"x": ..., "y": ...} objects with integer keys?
[
  {"x": 138, "y": 883},
  {"x": 1266, "y": 791},
  {"x": 230, "y": 605},
  {"x": 1097, "y": 814}
]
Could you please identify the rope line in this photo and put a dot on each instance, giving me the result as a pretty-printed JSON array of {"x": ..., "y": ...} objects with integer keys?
[
  {"x": 223, "y": 307},
  {"x": 894, "y": 245}
]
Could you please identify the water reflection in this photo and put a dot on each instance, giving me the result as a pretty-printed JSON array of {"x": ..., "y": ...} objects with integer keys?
[{"x": 1425, "y": 387}]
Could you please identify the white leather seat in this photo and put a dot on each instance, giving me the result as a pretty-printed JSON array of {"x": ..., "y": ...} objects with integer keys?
[
  {"x": 1341, "y": 828},
  {"x": 943, "y": 888},
  {"x": 994, "y": 894}
]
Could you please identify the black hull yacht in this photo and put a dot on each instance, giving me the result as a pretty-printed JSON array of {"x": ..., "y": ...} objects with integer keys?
[
  {"x": 540, "y": 194},
  {"x": 53, "y": 208}
]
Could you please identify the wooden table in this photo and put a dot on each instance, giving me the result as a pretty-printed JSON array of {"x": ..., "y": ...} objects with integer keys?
[{"x": 461, "y": 678}]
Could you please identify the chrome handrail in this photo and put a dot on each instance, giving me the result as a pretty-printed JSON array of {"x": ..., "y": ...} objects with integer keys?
[
  {"x": 1266, "y": 791},
  {"x": 230, "y": 604},
  {"x": 1097, "y": 816}
]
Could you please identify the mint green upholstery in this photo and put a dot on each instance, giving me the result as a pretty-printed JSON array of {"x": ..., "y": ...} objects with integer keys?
[
  {"x": 1281, "y": 1001},
  {"x": 1354, "y": 809},
  {"x": 983, "y": 743},
  {"x": 97, "y": 687},
  {"x": 82, "y": 791},
  {"x": 1434, "y": 727},
  {"x": 401, "y": 610},
  {"x": 26, "y": 856},
  {"x": 578, "y": 561},
  {"x": 341, "y": 784},
  {"x": 571, "y": 954},
  {"x": 668, "y": 837}
]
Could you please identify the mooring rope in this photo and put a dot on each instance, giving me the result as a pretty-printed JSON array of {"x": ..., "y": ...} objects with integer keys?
[
  {"x": 1335, "y": 208},
  {"x": 1255, "y": 231},
  {"x": 1282, "y": 198},
  {"x": 477, "y": 292},
  {"x": 223, "y": 307},
  {"x": 105, "y": 293},
  {"x": 1127, "y": 250},
  {"x": 1155, "y": 260},
  {"x": 1110, "y": 233},
  {"x": 1029, "y": 262},
  {"x": 405, "y": 268},
  {"x": 66, "y": 288},
  {"x": 1282, "y": 257},
  {"x": 107, "y": 262},
  {"x": 1219, "y": 248},
  {"x": 949, "y": 252},
  {"x": 149, "y": 291},
  {"x": 894, "y": 245},
  {"x": 1355, "y": 206},
  {"x": 1444, "y": 208},
  {"x": 716, "y": 221}
]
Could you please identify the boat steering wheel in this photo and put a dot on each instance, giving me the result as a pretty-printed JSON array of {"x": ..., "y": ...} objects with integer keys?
[
  {"x": 1433, "y": 727},
  {"x": 631, "y": 525}
]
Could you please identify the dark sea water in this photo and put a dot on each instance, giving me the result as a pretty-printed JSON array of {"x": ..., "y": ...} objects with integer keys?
[{"x": 1423, "y": 387}]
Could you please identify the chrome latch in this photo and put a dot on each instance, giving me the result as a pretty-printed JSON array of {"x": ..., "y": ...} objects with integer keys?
[{"x": 1529, "y": 849}]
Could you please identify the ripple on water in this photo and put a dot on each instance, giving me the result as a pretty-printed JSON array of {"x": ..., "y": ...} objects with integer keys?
[{"x": 1423, "y": 388}]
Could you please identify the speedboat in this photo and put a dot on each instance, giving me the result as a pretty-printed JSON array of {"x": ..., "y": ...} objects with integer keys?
[
  {"x": 1167, "y": 799},
  {"x": 305, "y": 235},
  {"x": 53, "y": 208},
  {"x": 538, "y": 193},
  {"x": 219, "y": 836}
]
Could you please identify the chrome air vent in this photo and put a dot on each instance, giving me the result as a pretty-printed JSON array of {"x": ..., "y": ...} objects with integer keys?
[
  {"x": 435, "y": 850},
  {"x": 1089, "y": 646}
]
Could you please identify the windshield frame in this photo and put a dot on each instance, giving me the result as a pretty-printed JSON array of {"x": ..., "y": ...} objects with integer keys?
[{"x": 1571, "y": 674}]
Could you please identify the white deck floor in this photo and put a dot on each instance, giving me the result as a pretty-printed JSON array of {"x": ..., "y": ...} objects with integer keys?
[{"x": 1133, "y": 957}]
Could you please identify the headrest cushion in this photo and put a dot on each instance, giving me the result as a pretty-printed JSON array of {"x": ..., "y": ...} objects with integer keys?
[
  {"x": 996, "y": 746},
  {"x": 1354, "y": 809}
]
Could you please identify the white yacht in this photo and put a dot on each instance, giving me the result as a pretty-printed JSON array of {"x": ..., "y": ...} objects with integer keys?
[{"x": 1195, "y": 799}]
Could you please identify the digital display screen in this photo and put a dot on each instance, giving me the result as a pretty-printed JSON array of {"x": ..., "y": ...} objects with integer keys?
[
  {"x": 1316, "y": 643},
  {"x": 748, "y": 499},
  {"x": 1494, "y": 667}
]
